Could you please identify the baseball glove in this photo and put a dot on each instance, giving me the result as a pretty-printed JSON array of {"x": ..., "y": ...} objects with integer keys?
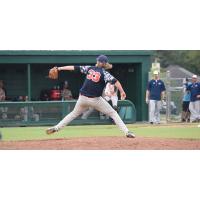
[{"x": 53, "y": 73}]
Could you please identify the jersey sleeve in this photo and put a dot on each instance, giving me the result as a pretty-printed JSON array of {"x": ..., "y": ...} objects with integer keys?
[
  {"x": 199, "y": 88},
  {"x": 163, "y": 86},
  {"x": 82, "y": 69},
  {"x": 109, "y": 78}
]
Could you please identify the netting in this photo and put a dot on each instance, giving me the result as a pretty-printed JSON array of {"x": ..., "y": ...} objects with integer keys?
[{"x": 51, "y": 112}]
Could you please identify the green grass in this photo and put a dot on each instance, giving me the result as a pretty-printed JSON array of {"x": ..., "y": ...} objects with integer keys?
[{"x": 35, "y": 133}]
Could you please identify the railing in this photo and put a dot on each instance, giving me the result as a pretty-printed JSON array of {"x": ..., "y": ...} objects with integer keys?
[{"x": 38, "y": 113}]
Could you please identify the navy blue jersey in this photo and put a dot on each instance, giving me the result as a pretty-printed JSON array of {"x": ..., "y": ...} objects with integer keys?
[
  {"x": 95, "y": 81},
  {"x": 194, "y": 89},
  {"x": 156, "y": 88}
]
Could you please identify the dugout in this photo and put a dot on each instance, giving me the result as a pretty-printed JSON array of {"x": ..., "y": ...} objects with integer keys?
[{"x": 24, "y": 72}]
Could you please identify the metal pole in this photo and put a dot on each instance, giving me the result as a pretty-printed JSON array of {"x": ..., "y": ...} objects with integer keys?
[
  {"x": 168, "y": 97},
  {"x": 149, "y": 78},
  {"x": 29, "y": 81}
]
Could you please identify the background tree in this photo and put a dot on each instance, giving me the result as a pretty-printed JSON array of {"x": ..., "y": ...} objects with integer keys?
[{"x": 188, "y": 59}]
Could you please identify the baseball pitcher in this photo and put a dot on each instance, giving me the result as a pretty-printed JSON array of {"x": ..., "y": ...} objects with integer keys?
[{"x": 90, "y": 94}]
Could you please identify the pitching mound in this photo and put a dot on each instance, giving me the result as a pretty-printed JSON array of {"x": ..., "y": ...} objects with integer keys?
[{"x": 103, "y": 143}]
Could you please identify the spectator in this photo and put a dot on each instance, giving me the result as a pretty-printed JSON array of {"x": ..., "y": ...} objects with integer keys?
[
  {"x": 27, "y": 112},
  {"x": 66, "y": 92},
  {"x": 23, "y": 113},
  {"x": 110, "y": 94},
  {"x": 185, "y": 117},
  {"x": 194, "y": 105},
  {"x": 3, "y": 110},
  {"x": 154, "y": 94},
  {"x": 2, "y": 91},
  {"x": 44, "y": 95}
]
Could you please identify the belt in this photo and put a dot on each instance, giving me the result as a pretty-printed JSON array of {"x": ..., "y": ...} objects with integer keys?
[{"x": 87, "y": 96}]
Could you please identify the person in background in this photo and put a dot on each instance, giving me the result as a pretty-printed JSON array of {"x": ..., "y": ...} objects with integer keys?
[
  {"x": 110, "y": 94},
  {"x": 66, "y": 92},
  {"x": 67, "y": 95},
  {"x": 154, "y": 94},
  {"x": 194, "y": 105},
  {"x": 3, "y": 110},
  {"x": 26, "y": 112},
  {"x": 44, "y": 95},
  {"x": 2, "y": 91},
  {"x": 185, "y": 117}
]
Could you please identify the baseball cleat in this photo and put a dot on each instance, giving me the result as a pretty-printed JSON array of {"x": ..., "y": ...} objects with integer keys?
[
  {"x": 130, "y": 135},
  {"x": 51, "y": 130}
]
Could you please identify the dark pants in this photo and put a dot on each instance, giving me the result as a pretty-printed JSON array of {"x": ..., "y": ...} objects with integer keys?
[
  {"x": 186, "y": 112},
  {"x": 185, "y": 106}
]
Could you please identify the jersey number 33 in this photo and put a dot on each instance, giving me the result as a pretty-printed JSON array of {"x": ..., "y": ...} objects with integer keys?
[{"x": 94, "y": 76}]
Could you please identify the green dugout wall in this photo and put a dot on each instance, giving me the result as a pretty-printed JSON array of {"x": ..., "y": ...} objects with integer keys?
[{"x": 24, "y": 72}]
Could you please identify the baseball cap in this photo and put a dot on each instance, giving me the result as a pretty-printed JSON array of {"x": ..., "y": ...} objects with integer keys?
[
  {"x": 102, "y": 59},
  {"x": 155, "y": 72},
  {"x": 194, "y": 76}
]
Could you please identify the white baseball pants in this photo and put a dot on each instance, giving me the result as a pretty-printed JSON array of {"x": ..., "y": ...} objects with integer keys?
[
  {"x": 154, "y": 111},
  {"x": 194, "y": 108},
  {"x": 97, "y": 103},
  {"x": 114, "y": 99},
  {"x": 87, "y": 113}
]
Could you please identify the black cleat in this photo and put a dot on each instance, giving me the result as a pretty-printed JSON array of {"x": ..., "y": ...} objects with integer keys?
[
  {"x": 130, "y": 135},
  {"x": 51, "y": 130}
]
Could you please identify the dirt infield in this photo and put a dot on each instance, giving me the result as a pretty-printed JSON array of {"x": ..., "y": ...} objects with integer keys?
[{"x": 103, "y": 143}]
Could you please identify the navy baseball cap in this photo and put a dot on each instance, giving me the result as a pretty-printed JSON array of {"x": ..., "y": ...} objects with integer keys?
[{"x": 102, "y": 59}]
